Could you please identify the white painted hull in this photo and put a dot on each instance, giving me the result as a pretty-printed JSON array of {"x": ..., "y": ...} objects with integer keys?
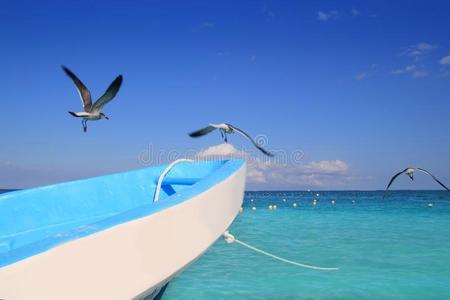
[{"x": 131, "y": 260}]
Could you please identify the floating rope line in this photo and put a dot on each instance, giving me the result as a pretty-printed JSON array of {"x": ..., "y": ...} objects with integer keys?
[{"x": 229, "y": 238}]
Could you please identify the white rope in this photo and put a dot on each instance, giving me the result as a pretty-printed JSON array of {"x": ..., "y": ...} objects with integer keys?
[
  {"x": 164, "y": 173},
  {"x": 229, "y": 238}
]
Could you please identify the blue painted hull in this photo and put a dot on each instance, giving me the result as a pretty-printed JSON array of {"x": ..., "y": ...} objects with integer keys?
[
  {"x": 106, "y": 237},
  {"x": 38, "y": 219}
]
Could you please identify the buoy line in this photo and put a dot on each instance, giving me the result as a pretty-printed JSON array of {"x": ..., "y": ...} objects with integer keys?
[{"x": 229, "y": 238}]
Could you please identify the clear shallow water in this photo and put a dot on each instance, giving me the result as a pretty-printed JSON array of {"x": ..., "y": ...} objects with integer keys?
[{"x": 392, "y": 248}]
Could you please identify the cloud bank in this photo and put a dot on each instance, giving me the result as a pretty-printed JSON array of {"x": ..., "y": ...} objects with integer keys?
[
  {"x": 270, "y": 174},
  {"x": 445, "y": 60},
  {"x": 416, "y": 51},
  {"x": 411, "y": 69},
  {"x": 325, "y": 16}
]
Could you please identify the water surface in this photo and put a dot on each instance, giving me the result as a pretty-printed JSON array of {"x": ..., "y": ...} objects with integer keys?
[{"x": 391, "y": 248}]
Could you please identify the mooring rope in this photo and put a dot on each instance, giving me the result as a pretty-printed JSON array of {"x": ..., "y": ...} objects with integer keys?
[{"x": 229, "y": 238}]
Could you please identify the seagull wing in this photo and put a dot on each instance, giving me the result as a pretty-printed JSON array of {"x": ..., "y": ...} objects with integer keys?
[
  {"x": 110, "y": 93},
  {"x": 83, "y": 91},
  {"x": 252, "y": 140},
  {"x": 393, "y": 178},
  {"x": 426, "y": 172},
  {"x": 203, "y": 131}
]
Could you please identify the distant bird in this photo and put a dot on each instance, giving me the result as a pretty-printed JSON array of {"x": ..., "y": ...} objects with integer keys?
[
  {"x": 225, "y": 129},
  {"x": 92, "y": 112},
  {"x": 410, "y": 173}
]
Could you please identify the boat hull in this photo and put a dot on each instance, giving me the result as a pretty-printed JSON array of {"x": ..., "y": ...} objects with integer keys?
[{"x": 133, "y": 260}]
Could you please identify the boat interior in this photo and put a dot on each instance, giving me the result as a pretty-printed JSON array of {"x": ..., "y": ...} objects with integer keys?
[{"x": 37, "y": 219}]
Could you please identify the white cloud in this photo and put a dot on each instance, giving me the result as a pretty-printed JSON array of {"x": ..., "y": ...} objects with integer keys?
[
  {"x": 321, "y": 16},
  {"x": 404, "y": 70},
  {"x": 223, "y": 150},
  {"x": 355, "y": 12},
  {"x": 425, "y": 47},
  {"x": 419, "y": 74},
  {"x": 325, "y": 16},
  {"x": 273, "y": 174},
  {"x": 418, "y": 50},
  {"x": 327, "y": 167},
  {"x": 207, "y": 25},
  {"x": 412, "y": 70},
  {"x": 222, "y": 53},
  {"x": 445, "y": 60},
  {"x": 361, "y": 76},
  {"x": 365, "y": 74},
  {"x": 268, "y": 14},
  {"x": 255, "y": 166}
]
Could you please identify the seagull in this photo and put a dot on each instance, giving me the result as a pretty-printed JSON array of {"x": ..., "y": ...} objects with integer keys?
[
  {"x": 92, "y": 112},
  {"x": 410, "y": 173},
  {"x": 225, "y": 129}
]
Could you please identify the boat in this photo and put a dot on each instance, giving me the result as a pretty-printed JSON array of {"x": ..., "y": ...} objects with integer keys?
[{"x": 119, "y": 236}]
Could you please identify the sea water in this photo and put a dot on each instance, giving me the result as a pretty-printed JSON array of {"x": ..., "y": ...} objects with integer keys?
[
  {"x": 393, "y": 247},
  {"x": 396, "y": 247}
]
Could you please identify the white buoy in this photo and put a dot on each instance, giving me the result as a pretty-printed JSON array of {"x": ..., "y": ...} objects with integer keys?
[
  {"x": 294, "y": 205},
  {"x": 430, "y": 205},
  {"x": 284, "y": 200},
  {"x": 270, "y": 206},
  {"x": 253, "y": 208},
  {"x": 241, "y": 209},
  {"x": 274, "y": 207},
  {"x": 333, "y": 202},
  {"x": 251, "y": 200},
  {"x": 317, "y": 194}
]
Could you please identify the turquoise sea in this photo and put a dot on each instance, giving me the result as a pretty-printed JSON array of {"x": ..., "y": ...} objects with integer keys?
[
  {"x": 386, "y": 248},
  {"x": 391, "y": 248}
]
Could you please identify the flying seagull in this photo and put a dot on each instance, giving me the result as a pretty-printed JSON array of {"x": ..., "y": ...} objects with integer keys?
[
  {"x": 410, "y": 173},
  {"x": 225, "y": 129},
  {"x": 92, "y": 112}
]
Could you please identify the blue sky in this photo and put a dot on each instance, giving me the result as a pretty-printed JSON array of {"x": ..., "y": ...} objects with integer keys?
[{"x": 361, "y": 89}]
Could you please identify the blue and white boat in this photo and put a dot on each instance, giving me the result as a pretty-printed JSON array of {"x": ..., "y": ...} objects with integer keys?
[{"x": 121, "y": 236}]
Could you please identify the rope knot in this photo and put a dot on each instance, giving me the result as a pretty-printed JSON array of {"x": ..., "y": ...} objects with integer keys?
[{"x": 229, "y": 238}]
